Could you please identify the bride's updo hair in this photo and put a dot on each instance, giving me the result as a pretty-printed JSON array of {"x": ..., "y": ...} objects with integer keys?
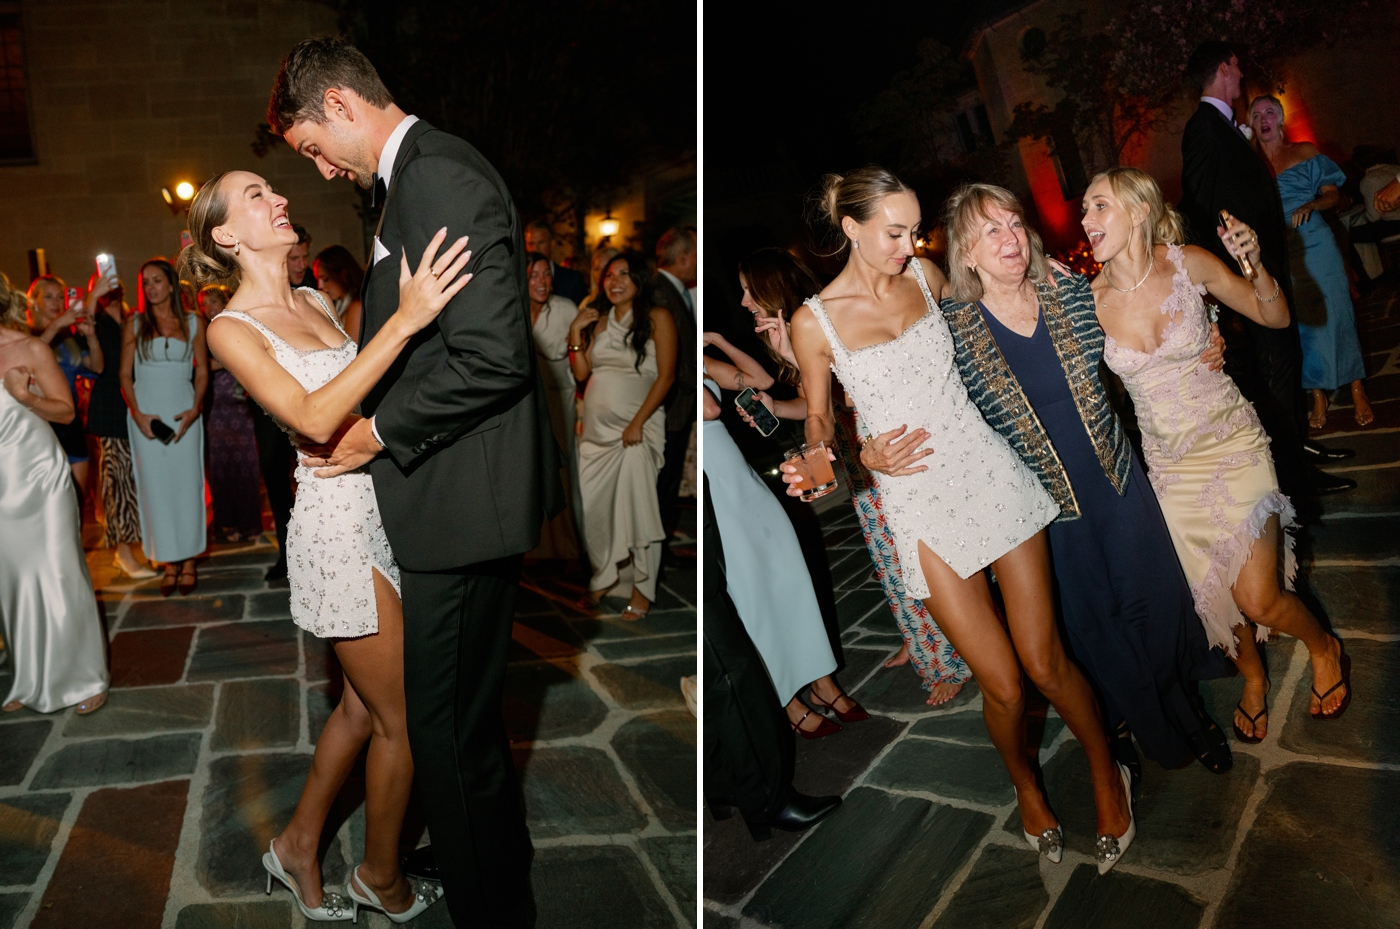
[
  {"x": 856, "y": 195},
  {"x": 204, "y": 261},
  {"x": 967, "y": 209},
  {"x": 1134, "y": 188}
]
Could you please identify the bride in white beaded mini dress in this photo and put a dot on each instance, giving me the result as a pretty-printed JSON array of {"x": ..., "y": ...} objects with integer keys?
[{"x": 289, "y": 352}]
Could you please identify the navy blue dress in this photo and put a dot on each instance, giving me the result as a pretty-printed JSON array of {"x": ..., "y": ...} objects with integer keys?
[{"x": 1127, "y": 608}]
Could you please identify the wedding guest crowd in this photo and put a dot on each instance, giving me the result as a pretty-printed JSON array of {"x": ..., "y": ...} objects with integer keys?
[
  {"x": 966, "y": 404},
  {"x": 168, "y": 420}
]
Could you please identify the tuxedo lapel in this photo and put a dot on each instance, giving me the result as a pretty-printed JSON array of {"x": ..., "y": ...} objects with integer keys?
[
  {"x": 1229, "y": 125},
  {"x": 373, "y": 315}
]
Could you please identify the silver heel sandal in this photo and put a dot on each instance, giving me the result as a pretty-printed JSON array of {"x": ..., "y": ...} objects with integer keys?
[
  {"x": 333, "y": 906},
  {"x": 424, "y": 896}
]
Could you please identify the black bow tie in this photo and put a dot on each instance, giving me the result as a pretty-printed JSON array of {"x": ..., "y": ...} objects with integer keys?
[{"x": 377, "y": 190}]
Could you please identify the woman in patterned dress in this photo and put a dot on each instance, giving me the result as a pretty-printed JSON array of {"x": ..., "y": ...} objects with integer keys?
[
  {"x": 1207, "y": 454},
  {"x": 289, "y": 350}
]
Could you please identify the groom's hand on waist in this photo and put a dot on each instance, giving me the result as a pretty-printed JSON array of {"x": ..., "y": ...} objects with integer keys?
[{"x": 353, "y": 445}]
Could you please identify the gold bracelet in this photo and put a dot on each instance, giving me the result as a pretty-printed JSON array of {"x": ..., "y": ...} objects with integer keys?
[
  {"x": 575, "y": 348},
  {"x": 1263, "y": 299},
  {"x": 864, "y": 440}
]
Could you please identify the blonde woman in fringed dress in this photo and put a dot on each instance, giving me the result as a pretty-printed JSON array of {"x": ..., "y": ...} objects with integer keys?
[{"x": 1206, "y": 452}]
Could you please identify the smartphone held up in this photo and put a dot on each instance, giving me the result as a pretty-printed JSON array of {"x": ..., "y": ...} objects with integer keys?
[{"x": 763, "y": 419}]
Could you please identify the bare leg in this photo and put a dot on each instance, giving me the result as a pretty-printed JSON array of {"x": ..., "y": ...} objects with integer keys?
[
  {"x": 1361, "y": 404},
  {"x": 372, "y": 709},
  {"x": 80, "y": 473},
  {"x": 1256, "y": 683},
  {"x": 1261, "y": 597},
  {"x": 1024, "y": 576},
  {"x": 964, "y": 611},
  {"x": 1318, "y": 417}
]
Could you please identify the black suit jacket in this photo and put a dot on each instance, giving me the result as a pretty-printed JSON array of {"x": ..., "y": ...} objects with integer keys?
[
  {"x": 1221, "y": 171},
  {"x": 680, "y": 400},
  {"x": 569, "y": 283},
  {"x": 471, "y": 470}
]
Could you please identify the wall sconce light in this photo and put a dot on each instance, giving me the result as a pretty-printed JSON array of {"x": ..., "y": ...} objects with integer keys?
[
  {"x": 609, "y": 226},
  {"x": 179, "y": 200}
]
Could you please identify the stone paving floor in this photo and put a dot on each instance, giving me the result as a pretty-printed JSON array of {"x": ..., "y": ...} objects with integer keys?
[
  {"x": 1303, "y": 833},
  {"x": 155, "y": 810}
]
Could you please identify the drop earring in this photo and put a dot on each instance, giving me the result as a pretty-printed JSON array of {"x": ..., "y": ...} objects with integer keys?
[
  {"x": 855, "y": 243},
  {"x": 237, "y": 247}
]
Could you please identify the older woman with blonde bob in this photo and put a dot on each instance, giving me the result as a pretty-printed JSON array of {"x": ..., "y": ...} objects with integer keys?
[
  {"x": 1206, "y": 452},
  {"x": 1029, "y": 350},
  {"x": 971, "y": 504}
]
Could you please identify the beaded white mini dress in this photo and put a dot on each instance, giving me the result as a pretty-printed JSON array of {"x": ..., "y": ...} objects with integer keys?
[
  {"x": 977, "y": 500},
  {"x": 335, "y": 537}
]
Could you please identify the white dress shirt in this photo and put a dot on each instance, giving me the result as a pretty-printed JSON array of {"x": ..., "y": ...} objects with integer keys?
[
  {"x": 1225, "y": 109},
  {"x": 387, "y": 157}
]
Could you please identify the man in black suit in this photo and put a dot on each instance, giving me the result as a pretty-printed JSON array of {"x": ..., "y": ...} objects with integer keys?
[
  {"x": 458, "y": 440},
  {"x": 677, "y": 260},
  {"x": 568, "y": 283},
  {"x": 1221, "y": 171}
]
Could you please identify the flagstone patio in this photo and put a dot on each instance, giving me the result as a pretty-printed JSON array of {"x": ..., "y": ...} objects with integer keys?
[
  {"x": 1303, "y": 832},
  {"x": 155, "y": 810}
]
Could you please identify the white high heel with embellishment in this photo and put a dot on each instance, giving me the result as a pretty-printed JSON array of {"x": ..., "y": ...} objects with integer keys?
[
  {"x": 1109, "y": 850},
  {"x": 333, "y": 906},
  {"x": 1050, "y": 843},
  {"x": 424, "y": 896}
]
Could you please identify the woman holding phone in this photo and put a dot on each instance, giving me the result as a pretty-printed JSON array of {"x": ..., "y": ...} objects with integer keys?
[{"x": 164, "y": 373}]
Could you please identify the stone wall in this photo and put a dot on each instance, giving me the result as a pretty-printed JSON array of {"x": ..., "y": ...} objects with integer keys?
[{"x": 127, "y": 97}]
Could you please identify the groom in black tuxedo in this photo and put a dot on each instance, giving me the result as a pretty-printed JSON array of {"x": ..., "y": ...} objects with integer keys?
[
  {"x": 459, "y": 443},
  {"x": 1221, "y": 171}
]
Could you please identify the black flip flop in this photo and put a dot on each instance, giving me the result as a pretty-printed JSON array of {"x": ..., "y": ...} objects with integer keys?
[
  {"x": 1253, "y": 723},
  {"x": 1345, "y": 681}
]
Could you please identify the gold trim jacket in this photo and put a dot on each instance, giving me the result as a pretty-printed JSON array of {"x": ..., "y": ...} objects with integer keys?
[{"x": 1074, "y": 330}]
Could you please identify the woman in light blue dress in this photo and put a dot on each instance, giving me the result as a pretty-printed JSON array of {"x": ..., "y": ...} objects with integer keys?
[
  {"x": 770, "y": 586},
  {"x": 1308, "y": 183},
  {"x": 165, "y": 371}
]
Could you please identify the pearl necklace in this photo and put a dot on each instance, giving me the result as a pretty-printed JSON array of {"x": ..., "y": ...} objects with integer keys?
[{"x": 1151, "y": 262}]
